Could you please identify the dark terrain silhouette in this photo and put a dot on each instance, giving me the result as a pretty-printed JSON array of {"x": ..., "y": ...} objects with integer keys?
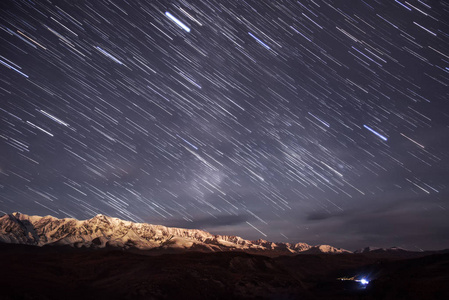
[{"x": 30, "y": 272}]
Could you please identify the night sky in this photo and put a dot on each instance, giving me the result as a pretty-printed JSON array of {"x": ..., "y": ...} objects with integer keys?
[{"x": 324, "y": 122}]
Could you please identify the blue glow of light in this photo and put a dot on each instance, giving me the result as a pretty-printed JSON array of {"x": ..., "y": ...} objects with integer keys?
[
  {"x": 259, "y": 41},
  {"x": 376, "y": 133},
  {"x": 179, "y": 23},
  {"x": 364, "y": 281},
  {"x": 324, "y": 123},
  {"x": 403, "y": 5},
  {"x": 189, "y": 143},
  {"x": 12, "y": 68}
]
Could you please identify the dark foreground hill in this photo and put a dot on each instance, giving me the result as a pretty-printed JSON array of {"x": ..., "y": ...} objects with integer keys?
[{"x": 29, "y": 272}]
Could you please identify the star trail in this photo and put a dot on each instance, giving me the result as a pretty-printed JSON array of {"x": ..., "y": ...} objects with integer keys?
[{"x": 316, "y": 121}]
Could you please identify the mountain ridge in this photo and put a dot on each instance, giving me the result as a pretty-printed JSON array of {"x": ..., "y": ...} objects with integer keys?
[
  {"x": 102, "y": 231},
  {"x": 372, "y": 249}
]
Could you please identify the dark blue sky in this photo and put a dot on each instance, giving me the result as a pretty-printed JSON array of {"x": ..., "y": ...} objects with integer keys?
[{"x": 324, "y": 122}]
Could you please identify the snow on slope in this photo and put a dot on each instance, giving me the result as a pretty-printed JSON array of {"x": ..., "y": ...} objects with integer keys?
[{"x": 102, "y": 231}]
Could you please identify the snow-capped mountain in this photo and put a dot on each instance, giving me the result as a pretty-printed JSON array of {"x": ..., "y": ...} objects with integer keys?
[
  {"x": 102, "y": 231},
  {"x": 325, "y": 249}
]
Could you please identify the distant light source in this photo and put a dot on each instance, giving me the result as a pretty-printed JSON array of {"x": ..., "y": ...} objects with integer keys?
[{"x": 364, "y": 281}]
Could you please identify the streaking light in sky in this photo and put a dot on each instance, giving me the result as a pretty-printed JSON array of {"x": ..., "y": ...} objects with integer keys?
[
  {"x": 37, "y": 127},
  {"x": 12, "y": 68},
  {"x": 54, "y": 118},
  {"x": 109, "y": 55},
  {"x": 189, "y": 143},
  {"x": 376, "y": 133},
  {"x": 321, "y": 121},
  {"x": 259, "y": 41},
  {"x": 179, "y": 23}
]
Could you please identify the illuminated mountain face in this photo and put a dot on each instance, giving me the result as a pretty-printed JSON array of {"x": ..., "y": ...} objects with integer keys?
[{"x": 102, "y": 231}]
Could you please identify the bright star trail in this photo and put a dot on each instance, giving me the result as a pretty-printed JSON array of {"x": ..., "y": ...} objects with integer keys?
[
  {"x": 259, "y": 41},
  {"x": 300, "y": 121},
  {"x": 376, "y": 133},
  {"x": 179, "y": 23}
]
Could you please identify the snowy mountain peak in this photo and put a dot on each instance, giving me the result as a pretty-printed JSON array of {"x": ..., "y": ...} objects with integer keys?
[
  {"x": 328, "y": 249},
  {"x": 102, "y": 231}
]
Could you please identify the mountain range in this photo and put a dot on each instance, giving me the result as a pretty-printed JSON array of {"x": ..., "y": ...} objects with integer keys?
[
  {"x": 102, "y": 231},
  {"x": 46, "y": 257}
]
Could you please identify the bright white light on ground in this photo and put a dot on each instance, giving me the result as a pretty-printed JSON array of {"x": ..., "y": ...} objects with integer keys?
[{"x": 364, "y": 281}]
